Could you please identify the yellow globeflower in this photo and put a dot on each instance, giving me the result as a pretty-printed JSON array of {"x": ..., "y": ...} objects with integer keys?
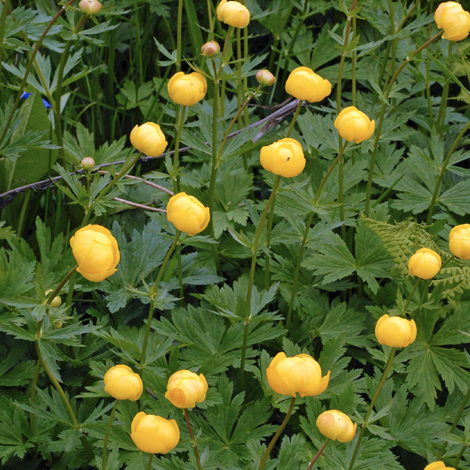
[
  {"x": 354, "y": 125},
  {"x": 459, "y": 241},
  {"x": 154, "y": 434},
  {"x": 395, "y": 332},
  {"x": 439, "y": 465},
  {"x": 185, "y": 389},
  {"x": 335, "y": 425},
  {"x": 233, "y": 13},
  {"x": 96, "y": 252},
  {"x": 149, "y": 139},
  {"x": 187, "y": 214},
  {"x": 299, "y": 374},
  {"x": 425, "y": 263},
  {"x": 122, "y": 383},
  {"x": 304, "y": 84},
  {"x": 187, "y": 89},
  {"x": 284, "y": 157},
  {"x": 454, "y": 20}
]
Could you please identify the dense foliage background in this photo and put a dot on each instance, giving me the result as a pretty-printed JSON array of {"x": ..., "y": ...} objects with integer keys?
[{"x": 106, "y": 73}]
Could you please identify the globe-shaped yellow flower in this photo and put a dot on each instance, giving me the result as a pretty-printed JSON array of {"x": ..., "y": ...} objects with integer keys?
[
  {"x": 459, "y": 241},
  {"x": 439, "y": 465},
  {"x": 149, "y": 139},
  {"x": 187, "y": 214},
  {"x": 284, "y": 157},
  {"x": 454, "y": 20},
  {"x": 336, "y": 426},
  {"x": 154, "y": 434},
  {"x": 354, "y": 125},
  {"x": 299, "y": 374},
  {"x": 395, "y": 332},
  {"x": 188, "y": 89},
  {"x": 425, "y": 263},
  {"x": 122, "y": 383},
  {"x": 185, "y": 389},
  {"x": 304, "y": 84},
  {"x": 233, "y": 13},
  {"x": 96, "y": 252}
]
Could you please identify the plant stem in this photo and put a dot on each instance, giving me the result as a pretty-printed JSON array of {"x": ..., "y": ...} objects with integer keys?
[
  {"x": 294, "y": 119},
  {"x": 65, "y": 400},
  {"x": 116, "y": 178},
  {"x": 152, "y": 294},
  {"x": 149, "y": 465},
  {"x": 459, "y": 455},
  {"x": 322, "y": 448},
  {"x": 382, "y": 115},
  {"x": 343, "y": 58},
  {"x": 176, "y": 178},
  {"x": 28, "y": 69},
  {"x": 62, "y": 283},
  {"x": 340, "y": 194},
  {"x": 330, "y": 170},
  {"x": 271, "y": 213},
  {"x": 276, "y": 436},
  {"x": 411, "y": 295},
  {"x": 33, "y": 392},
  {"x": 455, "y": 423},
  {"x": 442, "y": 172},
  {"x": 196, "y": 451},
  {"x": 179, "y": 27},
  {"x": 254, "y": 250},
  {"x": 297, "y": 268},
  {"x": 211, "y": 23},
  {"x": 104, "y": 457},
  {"x": 371, "y": 406},
  {"x": 180, "y": 274},
  {"x": 441, "y": 115}
]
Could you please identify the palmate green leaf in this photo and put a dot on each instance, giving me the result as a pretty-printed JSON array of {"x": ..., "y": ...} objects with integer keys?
[
  {"x": 230, "y": 425},
  {"x": 432, "y": 361},
  {"x": 334, "y": 261},
  {"x": 14, "y": 370}
]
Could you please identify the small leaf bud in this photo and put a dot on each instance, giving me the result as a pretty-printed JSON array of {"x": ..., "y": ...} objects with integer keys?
[
  {"x": 56, "y": 301},
  {"x": 210, "y": 49},
  {"x": 265, "y": 77},
  {"x": 87, "y": 163},
  {"x": 89, "y": 7}
]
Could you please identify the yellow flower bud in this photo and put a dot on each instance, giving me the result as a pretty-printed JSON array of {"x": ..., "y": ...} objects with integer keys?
[
  {"x": 439, "y": 465},
  {"x": 57, "y": 325},
  {"x": 122, "y": 383},
  {"x": 210, "y": 49},
  {"x": 265, "y": 77},
  {"x": 185, "y": 389},
  {"x": 154, "y": 434},
  {"x": 187, "y": 89},
  {"x": 87, "y": 163},
  {"x": 395, "y": 332},
  {"x": 89, "y": 7},
  {"x": 149, "y": 139},
  {"x": 299, "y": 374},
  {"x": 96, "y": 252},
  {"x": 459, "y": 241},
  {"x": 455, "y": 21},
  {"x": 335, "y": 425},
  {"x": 233, "y": 13},
  {"x": 304, "y": 84},
  {"x": 425, "y": 263},
  {"x": 354, "y": 125},
  {"x": 187, "y": 214},
  {"x": 284, "y": 157},
  {"x": 56, "y": 301}
]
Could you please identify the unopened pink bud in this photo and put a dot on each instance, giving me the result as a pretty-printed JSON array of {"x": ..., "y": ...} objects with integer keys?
[
  {"x": 89, "y": 7},
  {"x": 265, "y": 77},
  {"x": 87, "y": 162},
  {"x": 210, "y": 49}
]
